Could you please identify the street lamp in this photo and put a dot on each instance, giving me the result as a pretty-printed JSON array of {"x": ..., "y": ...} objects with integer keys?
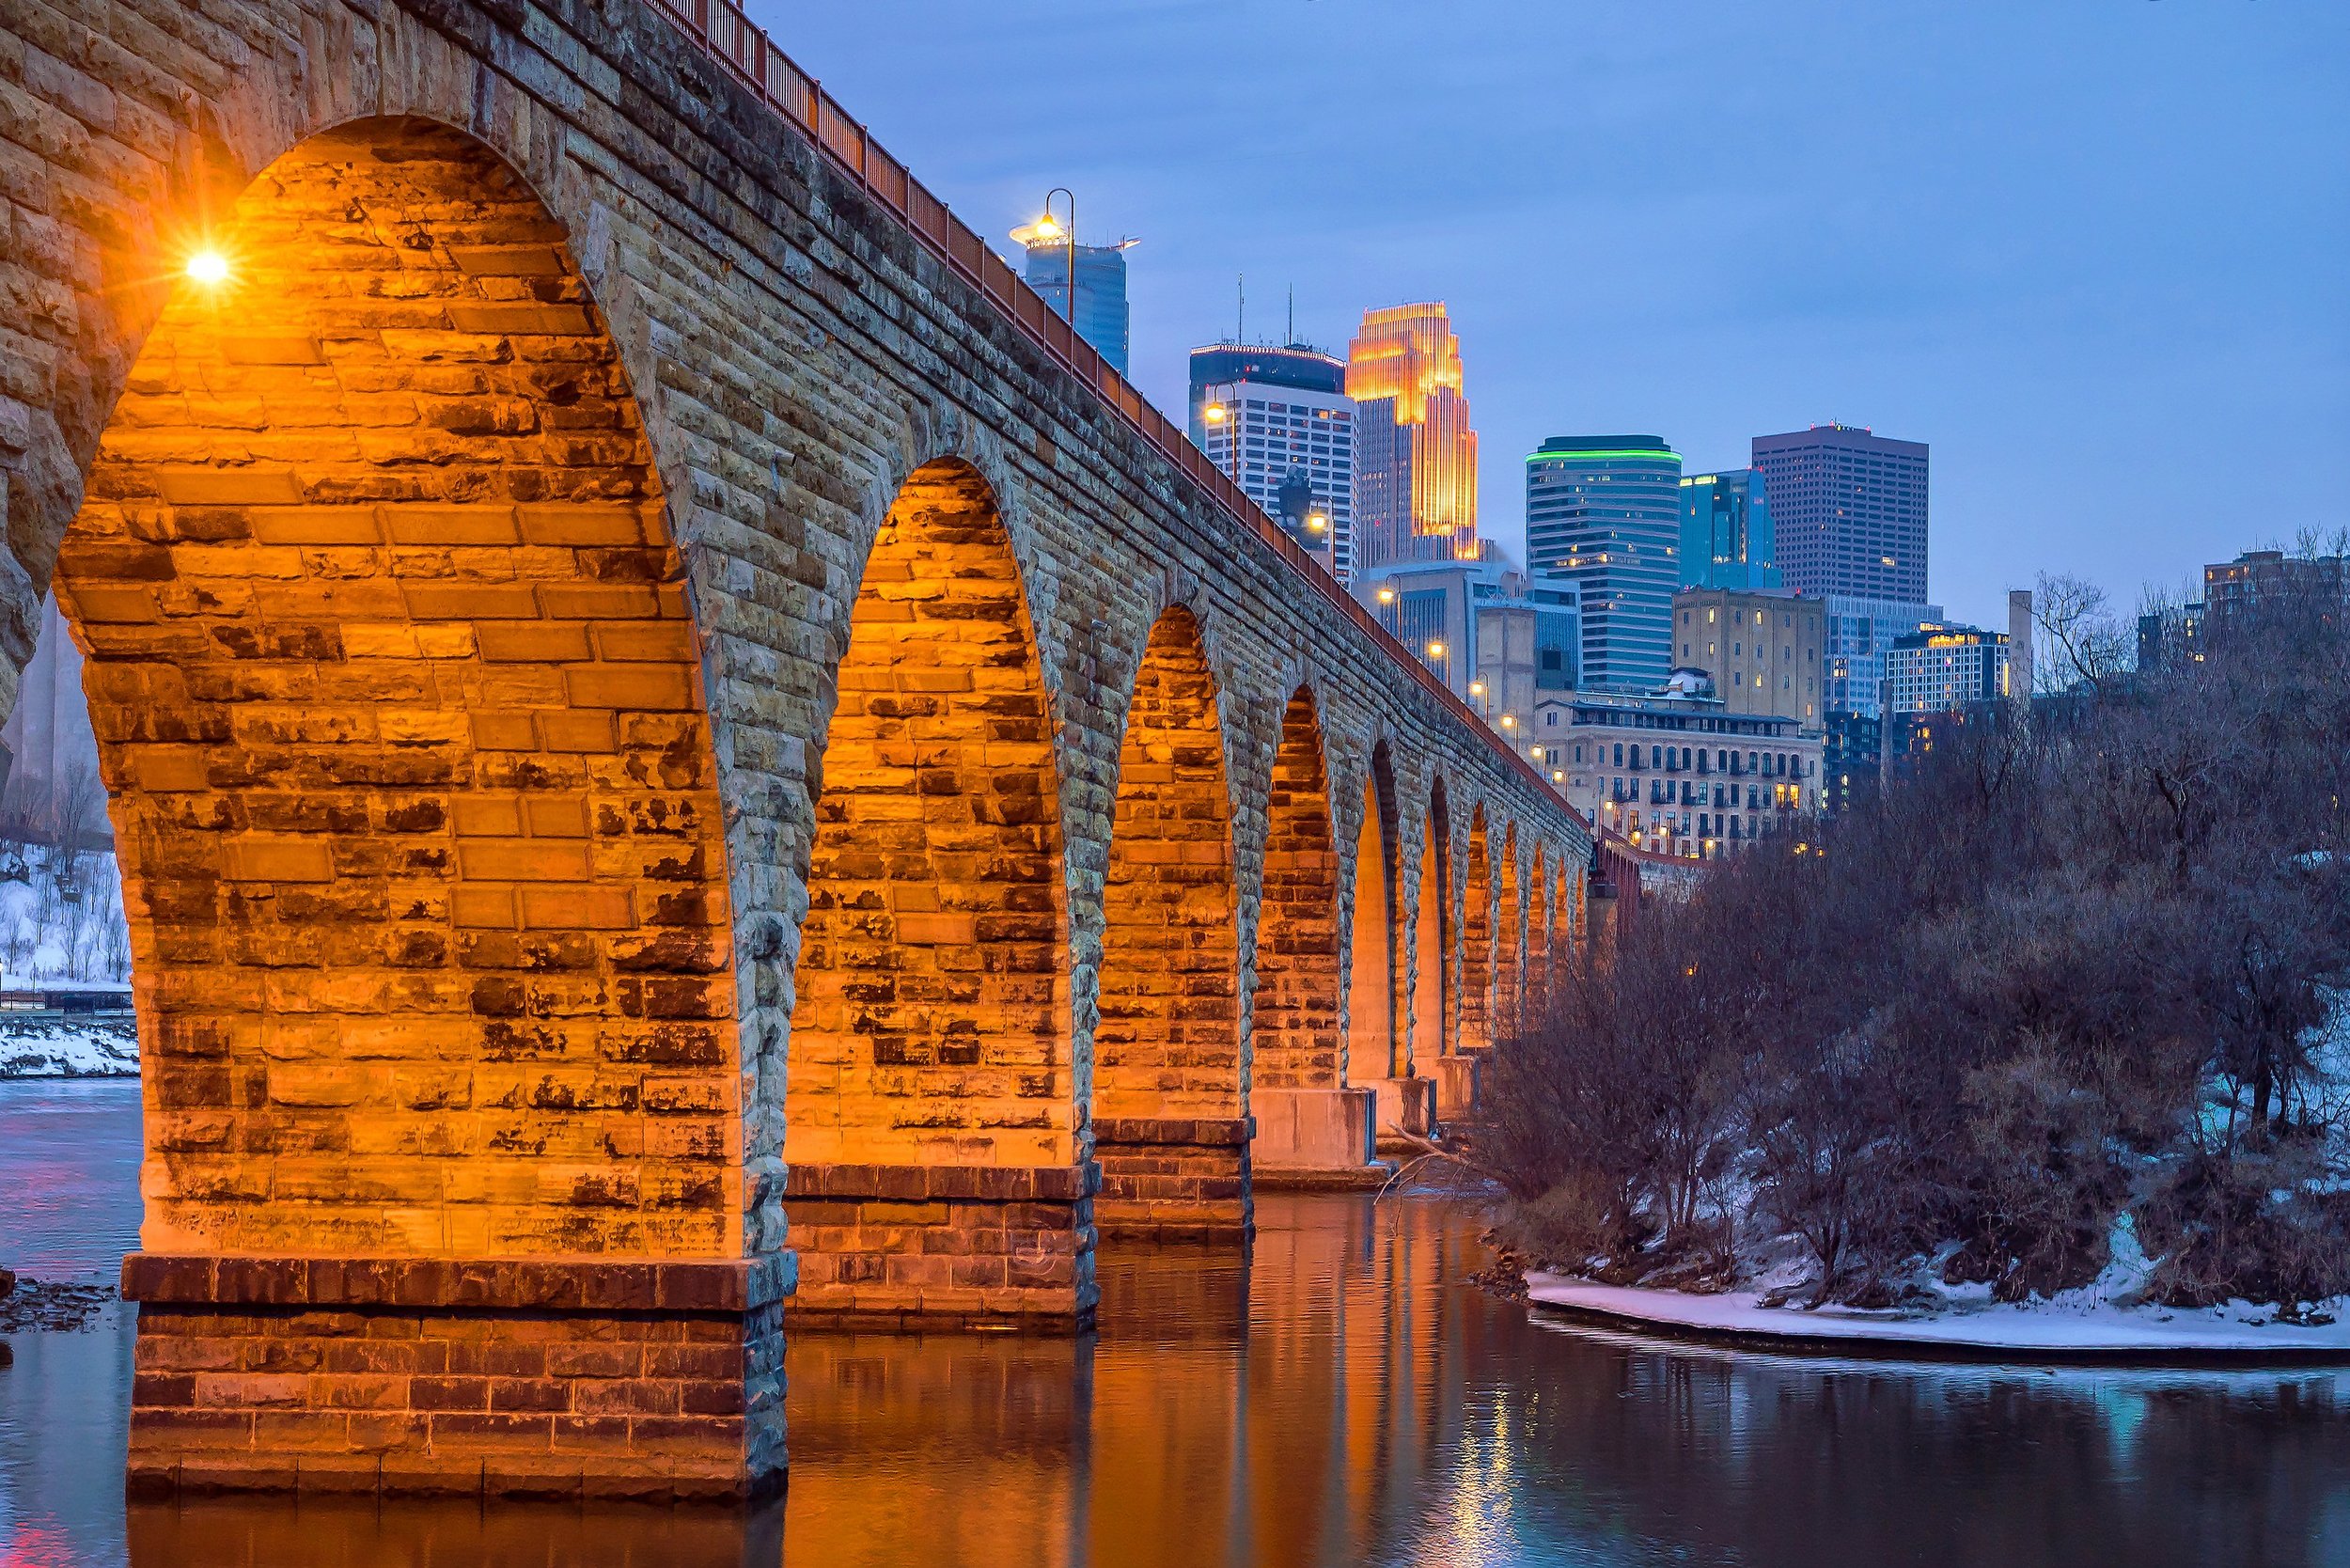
[
  {"x": 1048, "y": 228},
  {"x": 1221, "y": 412}
]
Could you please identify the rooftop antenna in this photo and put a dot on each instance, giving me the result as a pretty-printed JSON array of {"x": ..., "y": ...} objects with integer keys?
[
  {"x": 1240, "y": 325},
  {"x": 1293, "y": 337}
]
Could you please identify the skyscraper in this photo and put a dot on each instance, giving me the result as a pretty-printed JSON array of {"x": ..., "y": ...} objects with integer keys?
[
  {"x": 1278, "y": 421},
  {"x": 1415, "y": 462},
  {"x": 1606, "y": 511},
  {"x": 1726, "y": 534},
  {"x": 1849, "y": 511},
  {"x": 1098, "y": 311}
]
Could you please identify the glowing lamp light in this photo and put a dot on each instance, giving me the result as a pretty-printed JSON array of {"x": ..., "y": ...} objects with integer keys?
[
  {"x": 1509, "y": 721},
  {"x": 1557, "y": 777},
  {"x": 1477, "y": 688},
  {"x": 1214, "y": 415},
  {"x": 1315, "y": 522},
  {"x": 208, "y": 267},
  {"x": 1387, "y": 596},
  {"x": 1435, "y": 650},
  {"x": 1046, "y": 229}
]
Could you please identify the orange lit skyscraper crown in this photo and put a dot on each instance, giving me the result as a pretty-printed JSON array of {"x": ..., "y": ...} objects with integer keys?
[{"x": 1408, "y": 353}]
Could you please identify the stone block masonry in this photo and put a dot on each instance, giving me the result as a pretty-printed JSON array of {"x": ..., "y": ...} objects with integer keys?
[
  {"x": 417, "y": 1377},
  {"x": 653, "y": 726}
]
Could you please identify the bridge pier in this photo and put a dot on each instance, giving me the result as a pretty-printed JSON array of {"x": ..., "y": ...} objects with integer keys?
[
  {"x": 1408, "y": 1106},
  {"x": 1456, "y": 1086},
  {"x": 909, "y": 1249},
  {"x": 1313, "y": 1135},
  {"x": 592, "y": 1377},
  {"x": 1175, "y": 1178}
]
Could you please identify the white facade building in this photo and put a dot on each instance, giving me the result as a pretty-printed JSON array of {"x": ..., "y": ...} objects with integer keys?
[
  {"x": 1263, "y": 414},
  {"x": 1676, "y": 773}
]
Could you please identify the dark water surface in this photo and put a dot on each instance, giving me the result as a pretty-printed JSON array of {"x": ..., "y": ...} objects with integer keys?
[{"x": 1342, "y": 1397}]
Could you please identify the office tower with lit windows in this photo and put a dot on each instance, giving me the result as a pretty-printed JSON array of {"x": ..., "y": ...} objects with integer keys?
[
  {"x": 1726, "y": 536},
  {"x": 1416, "y": 459},
  {"x": 1848, "y": 511},
  {"x": 1605, "y": 512},
  {"x": 1278, "y": 421},
  {"x": 1860, "y": 633},
  {"x": 1098, "y": 307}
]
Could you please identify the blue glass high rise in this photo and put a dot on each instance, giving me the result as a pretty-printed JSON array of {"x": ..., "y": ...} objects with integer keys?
[
  {"x": 1726, "y": 535},
  {"x": 1098, "y": 311},
  {"x": 1605, "y": 511}
]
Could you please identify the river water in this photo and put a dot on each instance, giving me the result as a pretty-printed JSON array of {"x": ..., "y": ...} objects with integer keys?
[{"x": 1339, "y": 1396}]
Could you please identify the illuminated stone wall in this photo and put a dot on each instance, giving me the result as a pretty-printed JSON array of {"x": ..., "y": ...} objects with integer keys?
[{"x": 616, "y": 669}]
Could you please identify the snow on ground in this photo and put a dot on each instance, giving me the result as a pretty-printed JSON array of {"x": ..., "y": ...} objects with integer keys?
[
  {"x": 2080, "y": 1323},
  {"x": 54, "y": 1048}
]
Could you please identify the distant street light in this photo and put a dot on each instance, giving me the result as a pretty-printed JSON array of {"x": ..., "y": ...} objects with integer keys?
[{"x": 1051, "y": 228}]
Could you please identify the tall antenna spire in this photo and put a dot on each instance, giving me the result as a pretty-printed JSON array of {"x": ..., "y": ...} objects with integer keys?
[
  {"x": 1240, "y": 325},
  {"x": 1293, "y": 337}
]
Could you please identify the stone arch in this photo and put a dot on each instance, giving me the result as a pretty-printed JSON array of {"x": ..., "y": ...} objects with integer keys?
[
  {"x": 1432, "y": 1010},
  {"x": 1295, "y": 1043},
  {"x": 930, "y": 1054},
  {"x": 1541, "y": 958},
  {"x": 1169, "y": 1080},
  {"x": 400, "y": 704},
  {"x": 929, "y": 964},
  {"x": 1375, "y": 1042},
  {"x": 1475, "y": 1027},
  {"x": 1566, "y": 916},
  {"x": 398, "y": 698},
  {"x": 1509, "y": 940}
]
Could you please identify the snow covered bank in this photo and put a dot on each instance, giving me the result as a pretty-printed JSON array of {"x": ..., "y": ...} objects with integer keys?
[
  {"x": 2077, "y": 1325},
  {"x": 80, "y": 1047}
]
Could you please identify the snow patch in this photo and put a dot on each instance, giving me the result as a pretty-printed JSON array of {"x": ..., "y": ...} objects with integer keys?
[
  {"x": 104, "y": 1046},
  {"x": 2096, "y": 1319}
]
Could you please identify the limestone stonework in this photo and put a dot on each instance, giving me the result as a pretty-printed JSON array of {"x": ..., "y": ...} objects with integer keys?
[{"x": 655, "y": 725}]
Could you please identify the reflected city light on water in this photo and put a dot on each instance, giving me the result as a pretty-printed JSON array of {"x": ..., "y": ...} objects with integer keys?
[{"x": 1337, "y": 1394}]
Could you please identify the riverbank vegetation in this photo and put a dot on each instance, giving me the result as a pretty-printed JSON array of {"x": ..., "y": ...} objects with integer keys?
[{"x": 2070, "y": 999}]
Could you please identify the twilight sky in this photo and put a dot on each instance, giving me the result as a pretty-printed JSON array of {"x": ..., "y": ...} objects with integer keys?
[{"x": 2095, "y": 252}]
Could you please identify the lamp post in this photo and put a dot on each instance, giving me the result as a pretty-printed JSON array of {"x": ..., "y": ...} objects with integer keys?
[
  {"x": 1069, "y": 241},
  {"x": 1222, "y": 411},
  {"x": 1048, "y": 228}
]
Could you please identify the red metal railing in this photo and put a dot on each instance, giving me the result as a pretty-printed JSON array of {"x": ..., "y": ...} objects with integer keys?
[{"x": 731, "y": 38}]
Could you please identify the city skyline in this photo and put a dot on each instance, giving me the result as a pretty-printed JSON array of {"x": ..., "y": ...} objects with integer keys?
[{"x": 1993, "y": 294}]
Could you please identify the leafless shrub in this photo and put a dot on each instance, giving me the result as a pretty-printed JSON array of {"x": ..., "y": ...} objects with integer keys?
[{"x": 2082, "y": 943}]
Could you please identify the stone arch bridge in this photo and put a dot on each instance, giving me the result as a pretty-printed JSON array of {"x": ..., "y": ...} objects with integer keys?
[{"x": 686, "y": 760}]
